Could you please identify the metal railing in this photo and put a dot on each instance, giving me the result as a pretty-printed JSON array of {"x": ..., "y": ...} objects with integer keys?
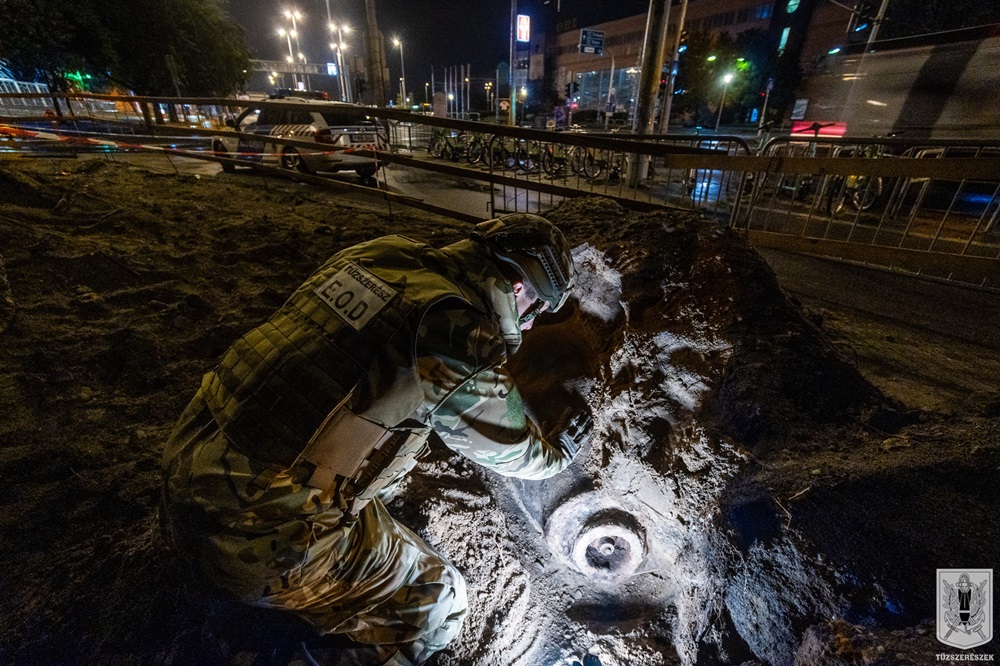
[{"x": 925, "y": 207}]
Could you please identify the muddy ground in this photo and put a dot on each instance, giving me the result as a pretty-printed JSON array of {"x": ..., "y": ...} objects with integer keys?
[{"x": 124, "y": 287}]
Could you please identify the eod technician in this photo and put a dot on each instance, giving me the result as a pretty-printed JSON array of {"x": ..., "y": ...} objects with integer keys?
[{"x": 275, "y": 474}]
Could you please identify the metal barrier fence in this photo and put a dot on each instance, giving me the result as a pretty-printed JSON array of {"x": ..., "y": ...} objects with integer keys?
[
  {"x": 930, "y": 208},
  {"x": 938, "y": 218}
]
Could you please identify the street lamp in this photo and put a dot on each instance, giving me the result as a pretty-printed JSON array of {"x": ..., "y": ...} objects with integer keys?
[
  {"x": 345, "y": 92},
  {"x": 728, "y": 78},
  {"x": 294, "y": 15},
  {"x": 290, "y": 58},
  {"x": 426, "y": 97},
  {"x": 402, "y": 69}
]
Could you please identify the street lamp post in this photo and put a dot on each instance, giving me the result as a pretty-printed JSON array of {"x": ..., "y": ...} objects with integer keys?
[
  {"x": 345, "y": 90},
  {"x": 291, "y": 56},
  {"x": 402, "y": 69},
  {"x": 611, "y": 85},
  {"x": 728, "y": 78},
  {"x": 293, "y": 15}
]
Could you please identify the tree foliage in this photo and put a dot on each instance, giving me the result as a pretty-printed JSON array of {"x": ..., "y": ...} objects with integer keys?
[
  {"x": 152, "y": 47},
  {"x": 751, "y": 58}
]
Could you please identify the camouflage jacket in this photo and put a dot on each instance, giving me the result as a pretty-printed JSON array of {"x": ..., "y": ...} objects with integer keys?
[{"x": 416, "y": 341}]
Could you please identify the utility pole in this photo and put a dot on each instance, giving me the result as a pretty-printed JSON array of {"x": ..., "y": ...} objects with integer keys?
[
  {"x": 877, "y": 23},
  {"x": 378, "y": 71},
  {"x": 649, "y": 81},
  {"x": 652, "y": 63},
  {"x": 848, "y": 112},
  {"x": 513, "y": 88},
  {"x": 668, "y": 94}
]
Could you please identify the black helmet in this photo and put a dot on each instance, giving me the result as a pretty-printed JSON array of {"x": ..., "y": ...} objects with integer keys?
[{"x": 536, "y": 248}]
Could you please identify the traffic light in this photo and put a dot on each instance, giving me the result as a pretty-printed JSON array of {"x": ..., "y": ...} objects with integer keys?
[
  {"x": 663, "y": 85},
  {"x": 569, "y": 90},
  {"x": 684, "y": 42},
  {"x": 576, "y": 87}
]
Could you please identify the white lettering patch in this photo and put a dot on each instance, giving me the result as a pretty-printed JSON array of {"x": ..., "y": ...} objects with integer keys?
[{"x": 356, "y": 295}]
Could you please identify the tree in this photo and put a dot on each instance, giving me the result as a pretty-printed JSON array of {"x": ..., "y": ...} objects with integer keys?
[
  {"x": 152, "y": 47},
  {"x": 703, "y": 66},
  {"x": 42, "y": 39}
]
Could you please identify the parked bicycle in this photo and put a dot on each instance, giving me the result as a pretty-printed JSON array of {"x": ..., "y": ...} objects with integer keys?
[
  {"x": 452, "y": 145},
  {"x": 860, "y": 191}
]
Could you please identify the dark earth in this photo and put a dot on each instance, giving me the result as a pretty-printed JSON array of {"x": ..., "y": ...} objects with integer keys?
[{"x": 119, "y": 288}]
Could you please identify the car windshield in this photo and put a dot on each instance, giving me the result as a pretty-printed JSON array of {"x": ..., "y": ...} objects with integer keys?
[{"x": 249, "y": 119}]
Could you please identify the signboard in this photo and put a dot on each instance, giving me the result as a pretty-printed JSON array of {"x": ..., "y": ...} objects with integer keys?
[
  {"x": 440, "y": 105},
  {"x": 331, "y": 69},
  {"x": 799, "y": 110},
  {"x": 592, "y": 41},
  {"x": 523, "y": 28}
]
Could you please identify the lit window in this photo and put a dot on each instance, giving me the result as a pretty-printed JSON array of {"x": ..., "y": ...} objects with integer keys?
[{"x": 784, "y": 39}]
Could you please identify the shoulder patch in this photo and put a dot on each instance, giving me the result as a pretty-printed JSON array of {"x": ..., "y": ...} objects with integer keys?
[{"x": 355, "y": 295}]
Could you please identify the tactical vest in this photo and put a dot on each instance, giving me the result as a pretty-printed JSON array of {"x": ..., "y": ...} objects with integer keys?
[{"x": 333, "y": 371}]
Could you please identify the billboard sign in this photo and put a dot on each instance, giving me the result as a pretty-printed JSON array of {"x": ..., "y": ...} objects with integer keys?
[{"x": 523, "y": 28}]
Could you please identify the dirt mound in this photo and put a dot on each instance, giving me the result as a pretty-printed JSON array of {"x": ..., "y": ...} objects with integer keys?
[{"x": 745, "y": 483}]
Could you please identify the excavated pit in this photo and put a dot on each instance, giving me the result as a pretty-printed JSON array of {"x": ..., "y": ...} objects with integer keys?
[
  {"x": 596, "y": 538},
  {"x": 744, "y": 485}
]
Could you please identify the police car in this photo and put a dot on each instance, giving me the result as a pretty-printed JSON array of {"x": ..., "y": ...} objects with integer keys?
[{"x": 337, "y": 135}]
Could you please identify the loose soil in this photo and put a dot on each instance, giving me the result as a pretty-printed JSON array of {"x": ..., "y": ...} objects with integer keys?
[{"x": 794, "y": 509}]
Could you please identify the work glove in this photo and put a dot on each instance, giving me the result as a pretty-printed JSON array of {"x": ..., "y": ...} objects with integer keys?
[{"x": 574, "y": 430}]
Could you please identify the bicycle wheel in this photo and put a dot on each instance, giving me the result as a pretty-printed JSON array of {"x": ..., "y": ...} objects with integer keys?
[
  {"x": 527, "y": 159},
  {"x": 475, "y": 151},
  {"x": 508, "y": 149},
  {"x": 867, "y": 192},
  {"x": 576, "y": 160},
  {"x": 436, "y": 146},
  {"x": 838, "y": 195},
  {"x": 550, "y": 163},
  {"x": 493, "y": 151},
  {"x": 594, "y": 165}
]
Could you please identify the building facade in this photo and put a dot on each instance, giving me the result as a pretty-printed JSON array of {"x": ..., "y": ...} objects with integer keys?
[{"x": 803, "y": 30}]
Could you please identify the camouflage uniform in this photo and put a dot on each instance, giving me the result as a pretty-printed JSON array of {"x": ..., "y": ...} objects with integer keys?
[{"x": 241, "y": 499}]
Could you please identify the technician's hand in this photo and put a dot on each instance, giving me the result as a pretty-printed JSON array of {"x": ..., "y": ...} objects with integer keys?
[{"x": 575, "y": 431}]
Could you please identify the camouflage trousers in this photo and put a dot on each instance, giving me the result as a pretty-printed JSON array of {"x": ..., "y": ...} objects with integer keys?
[{"x": 282, "y": 544}]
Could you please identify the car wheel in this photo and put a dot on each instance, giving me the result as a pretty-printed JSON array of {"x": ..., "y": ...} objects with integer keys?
[
  {"x": 291, "y": 160},
  {"x": 220, "y": 151}
]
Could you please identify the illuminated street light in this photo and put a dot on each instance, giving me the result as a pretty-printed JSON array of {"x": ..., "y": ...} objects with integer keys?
[
  {"x": 294, "y": 15},
  {"x": 728, "y": 78},
  {"x": 339, "y": 47},
  {"x": 711, "y": 58},
  {"x": 402, "y": 68},
  {"x": 288, "y": 37}
]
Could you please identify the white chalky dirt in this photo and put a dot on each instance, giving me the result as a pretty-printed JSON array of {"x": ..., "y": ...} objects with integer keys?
[{"x": 535, "y": 598}]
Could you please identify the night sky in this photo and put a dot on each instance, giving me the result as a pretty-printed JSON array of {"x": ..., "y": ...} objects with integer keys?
[{"x": 436, "y": 33}]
